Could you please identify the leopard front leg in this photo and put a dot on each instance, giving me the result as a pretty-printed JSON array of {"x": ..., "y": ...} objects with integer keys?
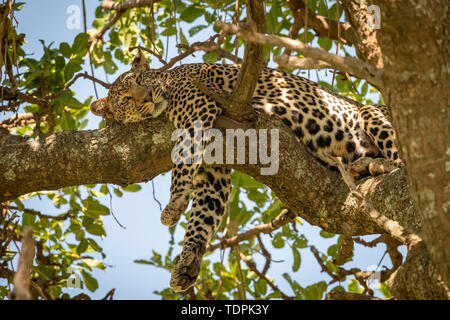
[
  {"x": 211, "y": 192},
  {"x": 180, "y": 189},
  {"x": 186, "y": 163}
]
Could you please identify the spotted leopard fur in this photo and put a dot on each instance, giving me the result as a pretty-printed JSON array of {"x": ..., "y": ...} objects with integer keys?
[{"x": 328, "y": 124}]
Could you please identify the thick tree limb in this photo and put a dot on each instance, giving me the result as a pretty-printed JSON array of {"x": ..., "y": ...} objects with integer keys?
[
  {"x": 125, "y": 154},
  {"x": 408, "y": 281},
  {"x": 239, "y": 107},
  {"x": 418, "y": 89},
  {"x": 367, "y": 44},
  {"x": 351, "y": 65}
]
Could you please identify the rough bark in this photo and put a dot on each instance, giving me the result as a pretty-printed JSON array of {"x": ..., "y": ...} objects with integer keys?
[
  {"x": 415, "y": 43},
  {"x": 408, "y": 281},
  {"x": 240, "y": 107},
  {"x": 367, "y": 45}
]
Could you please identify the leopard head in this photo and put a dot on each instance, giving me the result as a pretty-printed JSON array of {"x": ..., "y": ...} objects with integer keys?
[{"x": 131, "y": 97}]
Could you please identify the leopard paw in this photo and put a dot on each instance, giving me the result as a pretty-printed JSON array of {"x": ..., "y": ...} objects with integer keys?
[
  {"x": 366, "y": 166},
  {"x": 186, "y": 269},
  {"x": 171, "y": 214}
]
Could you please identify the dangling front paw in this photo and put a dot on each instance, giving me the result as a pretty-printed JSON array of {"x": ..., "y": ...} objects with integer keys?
[
  {"x": 186, "y": 269},
  {"x": 172, "y": 212}
]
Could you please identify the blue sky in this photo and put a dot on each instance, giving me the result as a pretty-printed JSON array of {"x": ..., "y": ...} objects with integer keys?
[{"x": 138, "y": 212}]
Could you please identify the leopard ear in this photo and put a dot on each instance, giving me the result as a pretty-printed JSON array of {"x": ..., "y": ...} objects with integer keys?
[
  {"x": 140, "y": 63},
  {"x": 100, "y": 108}
]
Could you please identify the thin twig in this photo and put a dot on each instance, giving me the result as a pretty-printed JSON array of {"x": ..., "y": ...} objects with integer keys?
[
  {"x": 252, "y": 266},
  {"x": 75, "y": 78},
  {"x": 283, "y": 218},
  {"x": 109, "y": 295},
  {"x": 112, "y": 212},
  {"x": 41, "y": 215},
  {"x": 154, "y": 196}
]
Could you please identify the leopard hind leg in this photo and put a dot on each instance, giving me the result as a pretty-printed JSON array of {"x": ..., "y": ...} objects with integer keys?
[{"x": 211, "y": 191}]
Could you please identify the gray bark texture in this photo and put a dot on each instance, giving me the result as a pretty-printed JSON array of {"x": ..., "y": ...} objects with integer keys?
[{"x": 415, "y": 43}]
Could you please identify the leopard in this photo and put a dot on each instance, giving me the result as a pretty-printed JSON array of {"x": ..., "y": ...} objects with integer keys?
[{"x": 327, "y": 123}]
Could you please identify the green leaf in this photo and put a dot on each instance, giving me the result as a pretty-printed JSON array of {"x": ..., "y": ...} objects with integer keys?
[
  {"x": 353, "y": 286},
  {"x": 80, "y": 43},
  {"x": 278, "y": 241},
  {"x": 94, "y": 245},
  {"x": 93, "y": 208},
  {"x": 297, "y": 259},
  {"x": 191, "y": 13},
  {"x": 79, "y": 235},
  {"x": 384, "y": 289},
  {"x": 210, "y": 57},
  {"x": 141, "y": 261},
  {"x": 132, "y": 188},
  {"x": 82, "y": 246},
  {"x": 96, "y": 229},
  {"x": 183, "y": 39},
  {"x": 194, "y": 30},
  {"x": 364, "y": 88},
  {"x": 326, "y": 235},
  {"x": 68, "y": 122},
  {"x": 118, "y": 192},
  {"x": 332, "y": 250},
  {"x": 301, "y": 242},
  {"x": 70, "y": 69},
  {"x": 261, "y": 286},
  {"x": 90, "y": 282},
  {"x": 65, "y": 49},
  {"x": 68, "y": 100},
  {"x": 325, "y": 43}
]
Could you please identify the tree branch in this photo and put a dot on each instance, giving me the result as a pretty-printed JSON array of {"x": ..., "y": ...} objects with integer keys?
[
  {"x": 391, "y": 227},
  {"x": 324, "y": 27},
  {"x": 343, "y": 295},
  {"x": 23, "y": 274},
  {"x": 285, "y": 61},
  {"x": 41, "y": 215},
  {"x": 252, "y": 266},
  {"x": 141, "y": 151},
  {"x": 99, "y": 35},
  {"x": 283, "y": 218},
  {"x": 239, "y": 107},
  {"x": 367, "y": 44},
  {"x": 351, "y": 65},
  {"x": 125, "y": 5}
]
